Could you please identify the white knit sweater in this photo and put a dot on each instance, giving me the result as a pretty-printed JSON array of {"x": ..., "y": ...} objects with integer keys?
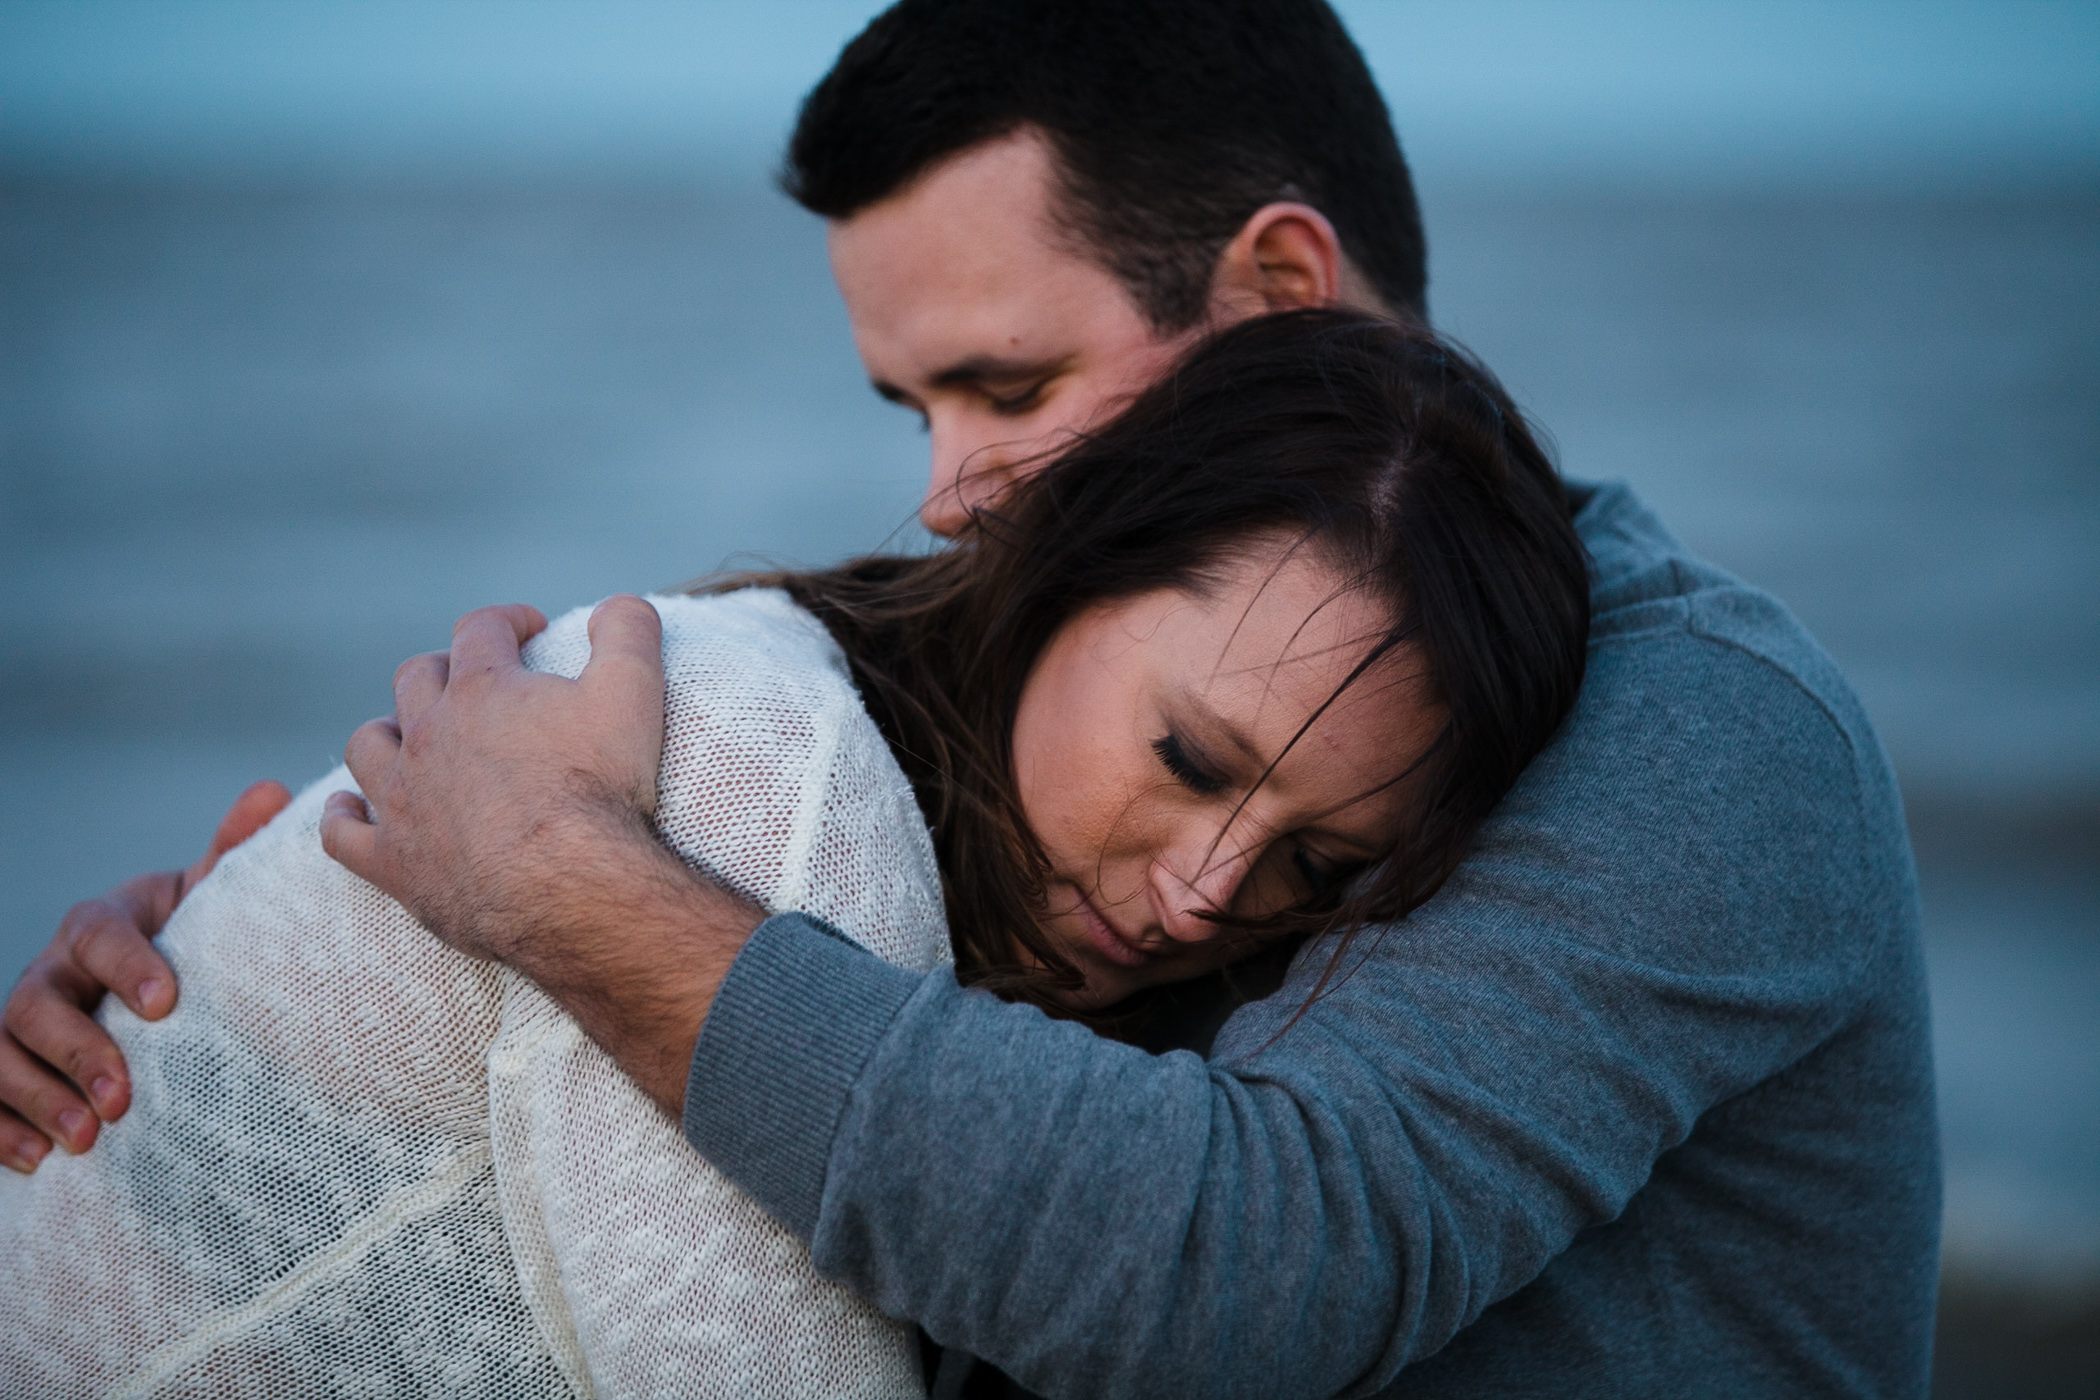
[{"x": 358, "y": 1163}]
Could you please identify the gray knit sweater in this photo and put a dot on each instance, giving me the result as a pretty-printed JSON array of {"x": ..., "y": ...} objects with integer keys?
[{"x": 1639, "y": 1105}]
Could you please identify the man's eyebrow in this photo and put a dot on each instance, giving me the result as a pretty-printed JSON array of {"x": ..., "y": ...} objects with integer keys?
[
  {"x": 973, "y": 371},
  {"x": 980, "y": 369}
]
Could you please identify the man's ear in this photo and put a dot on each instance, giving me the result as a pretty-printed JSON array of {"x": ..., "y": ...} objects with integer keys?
[{"x": 1285, "y": 257}]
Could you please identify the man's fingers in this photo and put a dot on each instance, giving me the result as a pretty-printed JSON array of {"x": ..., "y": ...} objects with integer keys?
[
  {"x": 624, "y": 683},
  {"x": 109, "y": 946},
  {"x": 46, "y": 1102},
  {"x": 372, "y": 751},
  {"x": 418, "y": 684},
  {"x": 347, "y": 833},
  {"x": 627, "y": 651},
  {"x": 21, "y": 1146},
  {"x": 250, "y": 813},
  {"x": 488, "y": 639}
]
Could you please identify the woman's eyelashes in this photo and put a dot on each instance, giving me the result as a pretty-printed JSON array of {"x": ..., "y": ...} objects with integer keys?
[
  {"x": 1321, "y": 878},
  {"x": 1190, "y": 774}
]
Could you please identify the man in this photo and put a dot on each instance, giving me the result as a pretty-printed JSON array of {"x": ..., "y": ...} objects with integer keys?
[{"x": 1639, "y": 1104}]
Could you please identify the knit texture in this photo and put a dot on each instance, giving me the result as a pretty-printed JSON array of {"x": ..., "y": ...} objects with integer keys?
[{"x": 359, "y": 1163}]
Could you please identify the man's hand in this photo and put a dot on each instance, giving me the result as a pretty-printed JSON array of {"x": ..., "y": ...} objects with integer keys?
[
  {"x": 61, "y": 1076},
  {"x": 509, "y": 811}
]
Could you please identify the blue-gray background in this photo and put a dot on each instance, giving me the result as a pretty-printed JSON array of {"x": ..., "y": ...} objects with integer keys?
[{"x": 321, "y": 323}]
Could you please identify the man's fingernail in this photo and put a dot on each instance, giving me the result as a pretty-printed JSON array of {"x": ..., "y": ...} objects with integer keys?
[
  {"x": 148, "y": 990},
  {"x": 31, "y": 1155},
  {"x": 102, "y": 1091},
  {"x": 72, "y": 1122}
]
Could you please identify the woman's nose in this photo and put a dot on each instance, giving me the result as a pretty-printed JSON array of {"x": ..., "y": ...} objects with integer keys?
[{"x": 1196, "y": 883}]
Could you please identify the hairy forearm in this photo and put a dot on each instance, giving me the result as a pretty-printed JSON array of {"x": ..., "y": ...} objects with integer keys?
[{"x": 635, "y": 947}]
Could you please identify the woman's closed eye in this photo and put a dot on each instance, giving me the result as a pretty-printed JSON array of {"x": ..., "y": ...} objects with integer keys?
[
  {"x": 1189, "y": 773},
  {"x": 1323, "y": 879}
]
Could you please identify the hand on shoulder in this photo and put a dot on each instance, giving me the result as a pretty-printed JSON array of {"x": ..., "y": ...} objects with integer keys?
[
  {"x": 509, "y": 811},
  {"x": 484, "y": 788}
]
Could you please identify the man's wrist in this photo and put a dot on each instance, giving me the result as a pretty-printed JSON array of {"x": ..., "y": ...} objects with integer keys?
[
  {"x": 787, "y": 1039},
  {"x": 636, "y": 950}
]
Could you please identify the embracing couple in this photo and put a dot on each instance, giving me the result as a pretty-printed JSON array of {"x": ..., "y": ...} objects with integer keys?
[{"x": 1292, "y": 899}]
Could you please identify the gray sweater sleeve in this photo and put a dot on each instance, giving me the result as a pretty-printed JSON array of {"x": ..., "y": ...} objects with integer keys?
[{"x": 1689, "y": 894}]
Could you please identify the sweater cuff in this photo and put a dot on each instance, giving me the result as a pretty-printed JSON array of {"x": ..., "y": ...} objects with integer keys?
[{"x": 796, "y": 1019}]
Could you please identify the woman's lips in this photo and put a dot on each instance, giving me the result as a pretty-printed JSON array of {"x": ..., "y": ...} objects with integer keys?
[{"x": 1107, "y": 942}]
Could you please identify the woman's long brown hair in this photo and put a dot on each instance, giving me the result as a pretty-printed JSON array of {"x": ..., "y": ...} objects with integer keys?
[{"x": 1387, "y": 449}]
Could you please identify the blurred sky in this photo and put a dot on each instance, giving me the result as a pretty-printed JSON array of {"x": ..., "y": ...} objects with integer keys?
[{"x": 1873, "y": 92}]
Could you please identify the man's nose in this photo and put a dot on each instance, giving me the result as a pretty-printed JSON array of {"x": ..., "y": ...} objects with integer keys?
[
  {"x": 968, "y": 470},
  {"x": 943, "y": 511}
]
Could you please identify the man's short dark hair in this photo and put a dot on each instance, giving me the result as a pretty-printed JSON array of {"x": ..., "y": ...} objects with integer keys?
[{"x": 1172, "y": 121}]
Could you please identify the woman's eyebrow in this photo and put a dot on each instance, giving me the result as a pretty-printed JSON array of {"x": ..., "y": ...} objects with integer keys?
[
  {"x": 1207, "y": 718},
  {"x": 1193, "y": 711}
]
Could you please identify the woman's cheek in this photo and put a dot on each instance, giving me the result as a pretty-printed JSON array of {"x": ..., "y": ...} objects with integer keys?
[
  {"x": 1086, "y": 807},
  {"x": 1063, "y": 794}
]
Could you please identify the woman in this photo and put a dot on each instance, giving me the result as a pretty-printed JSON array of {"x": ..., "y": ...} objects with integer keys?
[{"x": 1243, "y": 669}]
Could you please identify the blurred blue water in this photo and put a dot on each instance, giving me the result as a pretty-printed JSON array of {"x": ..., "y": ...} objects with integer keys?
[{"x": 260, "y": 441}]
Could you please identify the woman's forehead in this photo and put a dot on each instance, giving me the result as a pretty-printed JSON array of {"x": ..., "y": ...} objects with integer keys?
[
  {"x": 1283, "y": 607},
  {"x": 1278, "y": 645}
]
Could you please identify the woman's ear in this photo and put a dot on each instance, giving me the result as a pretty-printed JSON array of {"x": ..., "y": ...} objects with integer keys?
[{"x": 1285, "y": 257}]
